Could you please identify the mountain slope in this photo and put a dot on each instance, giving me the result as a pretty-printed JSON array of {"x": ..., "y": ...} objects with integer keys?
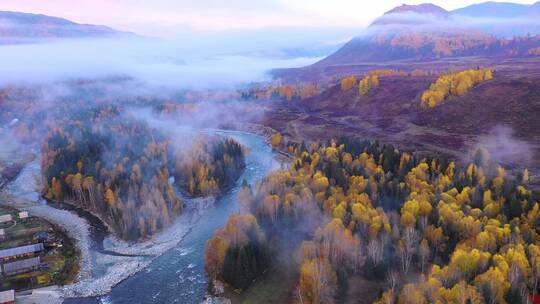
[
  {"x": 427, "y": 32},
  {"x": 391, "y": 112},
  {"x": 18, "y": 27},
  {"x": 534, "y": 10}
]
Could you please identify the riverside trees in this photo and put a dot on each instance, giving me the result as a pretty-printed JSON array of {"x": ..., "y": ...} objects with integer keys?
[
  {"x": 237, "y": 253},
  {"x": 124, "y": 170}
]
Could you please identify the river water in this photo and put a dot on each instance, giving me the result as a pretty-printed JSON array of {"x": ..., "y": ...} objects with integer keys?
[{"x": 178, "y": 276}]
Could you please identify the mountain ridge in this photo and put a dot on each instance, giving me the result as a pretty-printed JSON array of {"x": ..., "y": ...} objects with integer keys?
[
  {"x": 424, "y": 8},
  {"x": 19, "y": 27},
  {"x": 495, "y": 9},
  {"x": 430, "y": 33}
]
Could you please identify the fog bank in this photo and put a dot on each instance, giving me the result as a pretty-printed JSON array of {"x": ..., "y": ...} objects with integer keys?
[{"x": 178, "y": 64}]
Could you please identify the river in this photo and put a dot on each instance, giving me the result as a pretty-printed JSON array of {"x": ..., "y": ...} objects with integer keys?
[{"x": 178, "y": 276}]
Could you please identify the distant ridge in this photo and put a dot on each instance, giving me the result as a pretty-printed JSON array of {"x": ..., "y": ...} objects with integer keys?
[
  {"x": 425, "y": 8},
  {"x": 427, "y": 32},
  {"x": 17, "y": 27},
  {"x": 412, "y": 15},
  {"x": 498, "y": 10}
]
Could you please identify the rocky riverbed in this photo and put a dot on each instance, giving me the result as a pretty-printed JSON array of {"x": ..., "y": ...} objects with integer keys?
[
  {"x": 100, "y": 270},
  {"x": 114, "y": 268}
]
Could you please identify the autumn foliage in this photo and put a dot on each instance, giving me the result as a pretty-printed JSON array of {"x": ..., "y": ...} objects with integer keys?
[
  {"x": 282, "y": 92},
  {"x": 451, "y": 43},
  {"x": 354, "y": 208},
  {"x": 348, "y": 83},
  {"x": 128, "y": 172},
  {"x": 454, "y": 84},
  {"x": 318, "y": 281},
  {"x": 367, "y": 83},
  {"x": 535, "y": 51},
  {"x": 237, "y": 253},
  {"x": 276, "y": 140}
]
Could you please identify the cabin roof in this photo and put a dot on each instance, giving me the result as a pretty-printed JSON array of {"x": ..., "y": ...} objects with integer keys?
[
  {"x": 21, "y": 265},
  {"x": 5, "y": 218},
  {"x": 21, "y": 250}
]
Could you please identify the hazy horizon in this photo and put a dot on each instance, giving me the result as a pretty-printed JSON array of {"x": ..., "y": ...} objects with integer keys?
[
  {"x": 173, "y": 19},
  {"x": 196, "y": 54}
]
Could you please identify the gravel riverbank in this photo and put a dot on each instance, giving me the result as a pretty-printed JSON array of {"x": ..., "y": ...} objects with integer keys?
[
  {"x": 118, "y": 267},
  {"x": 104, "y": 268},
  {"x": 99, "y": 272}
]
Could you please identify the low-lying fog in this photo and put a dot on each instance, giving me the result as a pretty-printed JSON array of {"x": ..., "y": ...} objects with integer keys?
[
  {"x": 195, "y": 62},
  {"x": 155, "y": 62}
]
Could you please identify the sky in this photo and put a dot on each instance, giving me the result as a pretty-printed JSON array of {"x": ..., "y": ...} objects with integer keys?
[{"x": 170, "y": 18}]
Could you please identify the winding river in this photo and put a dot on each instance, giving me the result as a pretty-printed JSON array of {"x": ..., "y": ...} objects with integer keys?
[{"x": 178, "y": 276}]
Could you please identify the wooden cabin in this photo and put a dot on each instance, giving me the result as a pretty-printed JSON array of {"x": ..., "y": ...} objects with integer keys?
[
  {"x": 5, "y": 218},
  {"x": 20, "y": 252},
  {"x": 21, "y": 266}
]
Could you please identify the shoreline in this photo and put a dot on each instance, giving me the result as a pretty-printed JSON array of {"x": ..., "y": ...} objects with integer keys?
[
  {"x": 134, "y": 257},
  {"x": 99, "y": 272},
  {"x": 115, "y": 269},
  {"x": 101, "y": 269}
]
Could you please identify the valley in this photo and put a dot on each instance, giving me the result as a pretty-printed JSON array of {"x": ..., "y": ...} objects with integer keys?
[{"x": 263, "y": 161}]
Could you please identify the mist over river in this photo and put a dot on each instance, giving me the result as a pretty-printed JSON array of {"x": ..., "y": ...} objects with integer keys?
[{"x": 178, "y": 276}]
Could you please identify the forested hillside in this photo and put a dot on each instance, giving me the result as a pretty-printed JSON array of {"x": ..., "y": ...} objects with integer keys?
[{"x": 425, "y": 229}]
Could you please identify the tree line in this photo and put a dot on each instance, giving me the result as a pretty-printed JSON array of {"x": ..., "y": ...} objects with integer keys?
[
  {"x": 281, "y": 92},
  {"x": 454, "y": 84},
  {"x": 427, "y": 230}
]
